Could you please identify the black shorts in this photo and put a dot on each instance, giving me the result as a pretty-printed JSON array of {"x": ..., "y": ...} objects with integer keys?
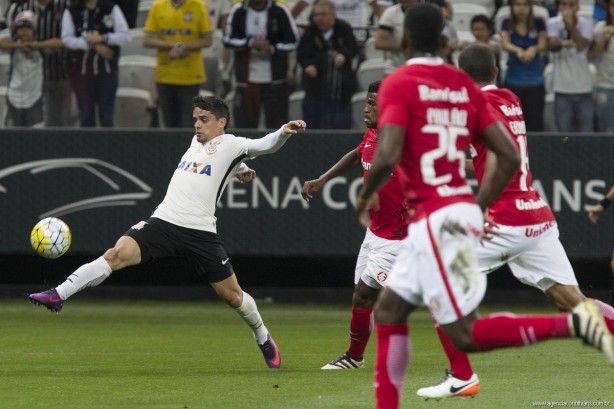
[{"x": 204, "y": 250}]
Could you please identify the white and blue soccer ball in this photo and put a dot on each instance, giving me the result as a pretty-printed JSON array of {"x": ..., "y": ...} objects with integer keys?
[{"x": 50, "y": 237}]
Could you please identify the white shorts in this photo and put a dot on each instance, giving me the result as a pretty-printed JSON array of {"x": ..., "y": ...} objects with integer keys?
[
  {"x": 437, "y": 266},
  {"x": 534, "y": 254},
  {"x": 375, "y": 260}
]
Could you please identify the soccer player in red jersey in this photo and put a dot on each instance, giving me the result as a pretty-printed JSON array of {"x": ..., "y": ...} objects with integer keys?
[
  {"x": 430, "y": 113},
  {"x": 382, "y": 240},
  {"x": 526, "y": 236}
]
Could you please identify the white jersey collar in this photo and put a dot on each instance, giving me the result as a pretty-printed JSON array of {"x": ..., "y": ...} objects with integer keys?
[
  {"x": 425, "y": 61},
  {"x": 489, "y": 87}
]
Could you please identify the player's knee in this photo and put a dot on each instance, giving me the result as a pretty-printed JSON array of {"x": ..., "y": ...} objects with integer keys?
[
  {"x": 112, "y": 257},
  {"x": 233, "y": 298},
  {"x": 363, "y": 299},
  {"x": 463, "y": 342}
]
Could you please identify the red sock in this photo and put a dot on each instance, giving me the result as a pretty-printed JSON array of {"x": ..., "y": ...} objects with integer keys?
[
  {"x": 393, "y": 354},
  {"x": 505, "y": 329},
  {"x": 608, "y": 314},
  {"x": 459, "y": 361},
  {"x": 360, "y": 331}
]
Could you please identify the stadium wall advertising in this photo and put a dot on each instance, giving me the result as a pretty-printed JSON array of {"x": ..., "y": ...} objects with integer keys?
[{"x": 102, "y": 182}]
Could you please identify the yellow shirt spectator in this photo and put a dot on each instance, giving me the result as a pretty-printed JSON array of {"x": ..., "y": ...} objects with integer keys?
[{"x": 179, "y": 23}]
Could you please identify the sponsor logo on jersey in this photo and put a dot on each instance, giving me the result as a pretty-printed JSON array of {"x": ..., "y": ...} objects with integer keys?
[
  {"x": 195, "y": 167},
  {"x": 176, "y": 31},
  {"x": 530, "y": 204},
  {"x": 513, "y": 110},
  {"x": 446, "y": 94},
  {"x": 381, "y": 276},
  {"x": 535, "y": 232}
]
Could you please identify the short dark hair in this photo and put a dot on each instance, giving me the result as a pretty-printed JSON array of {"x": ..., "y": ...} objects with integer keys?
[
  {"x": 216, "y": 105},
  {"x": 483, "y": 18},
  {"x": 423, "y": 25},
  {"x": 478, "y": 61},
  {"x": 374, "y": 87}
]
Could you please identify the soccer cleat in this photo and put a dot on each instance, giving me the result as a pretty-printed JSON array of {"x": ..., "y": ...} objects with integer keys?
[
  {"x": 345, "y": 362},
  {"x": 586, "y": 322},
  {"x": 270, "y": 353},
  {"x": 50, "y": 299},
  {"x": 450, "y": 386}
]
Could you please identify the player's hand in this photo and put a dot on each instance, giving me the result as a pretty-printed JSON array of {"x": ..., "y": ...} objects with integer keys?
[
  {"x": 310, "y": 187},
  {"x": 247, "y": 176},
  {"x": 594, "y": 212},
  {"x": 362, "y": 208},
  {"x": 489, "y": 230},
  {"x": 292, "y": 127}
]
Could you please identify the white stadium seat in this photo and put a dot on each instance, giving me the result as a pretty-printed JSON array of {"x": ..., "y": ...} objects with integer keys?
[
  {"x": 138, "y": 72},
  {"x": 370, "y": 71},
  {"x": 359, "y": 100},
  {"x": 133, "y": 108},
  {"x": 464, "y": 12},
  {"x": 295, "y": 110},
  {"x": 135, "y": 46}
]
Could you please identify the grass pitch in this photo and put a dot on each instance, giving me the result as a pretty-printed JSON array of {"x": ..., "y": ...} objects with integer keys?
[{"x": 186, "y": 355}]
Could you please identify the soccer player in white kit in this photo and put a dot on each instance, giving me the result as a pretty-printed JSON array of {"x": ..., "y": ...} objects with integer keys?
[
  {"x": 185, "y": 223},
  {"x": 526, "y": 237},
  {"x": 382, "y": 239},
  {"x": 430, "y": 113}
]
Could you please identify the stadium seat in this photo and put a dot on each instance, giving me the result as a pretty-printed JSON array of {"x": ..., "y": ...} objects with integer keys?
[
  {"x": 141, "y": 17},
  {"x": 3, "y": 106},
  {"x": 138, "y": 72},
  {"x": 135, "y": 46},
  {"x": 369, "y": 71},
  {"x": 359, "y": 100},
  {"x": 133, "y": 108},
  {"x": 464, "y": 12},
  {"x": 214, "y": 76},
  {"x": 489, "y": 5},
  {"x": 586, "y": 11},
  {"x": 372, "y": 52},
  {"x": 295, "y": 110},
  {"x": 5, "y": 69}
]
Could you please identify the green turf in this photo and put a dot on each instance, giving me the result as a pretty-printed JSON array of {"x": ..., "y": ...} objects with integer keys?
[{"x": 200, "y": 355}]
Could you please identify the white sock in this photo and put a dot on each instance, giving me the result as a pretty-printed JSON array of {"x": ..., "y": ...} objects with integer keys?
[
  {"x": 88, "y": 275},
  {"x": 249, "y": 312}
]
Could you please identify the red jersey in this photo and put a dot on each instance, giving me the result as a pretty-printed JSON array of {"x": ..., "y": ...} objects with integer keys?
[
  {"x": 519, "y": 204},
  {"x": 390, "y": 221},
  {"x": 442, "y": 112}
]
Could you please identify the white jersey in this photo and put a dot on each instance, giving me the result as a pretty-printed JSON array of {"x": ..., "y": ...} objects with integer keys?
[{"x": 203, "y": 173}]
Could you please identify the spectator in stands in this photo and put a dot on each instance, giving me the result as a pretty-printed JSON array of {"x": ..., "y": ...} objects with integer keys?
[
  {"x": 57, "y": 92},
  {"x": 25, "y": 87},
  {"x": 353, "y": 12},
  {"x": 325, "y": 53},
  {"x": 261, "y": 33},
  {"x": 180, "y": 69},
  {"x": 483, "y": 30},
  {"x": 93, "y": 32},
  {"x": 524, "y": 37},
  {"x": 599, "y": 10},
  {"x": 602, "y": 52},
  {"x": 389, "y": 34},
  {"x": 569, "y": 38}
]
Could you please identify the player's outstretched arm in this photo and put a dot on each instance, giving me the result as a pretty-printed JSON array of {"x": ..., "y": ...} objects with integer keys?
[
  {"x": 348, "y": 161},
  {"x": 275, "y": 140},
  {"x": 595, "y": 211}
]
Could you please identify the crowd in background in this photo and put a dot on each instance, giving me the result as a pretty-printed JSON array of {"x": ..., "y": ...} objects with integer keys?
[{"x": 65, "y": 57}]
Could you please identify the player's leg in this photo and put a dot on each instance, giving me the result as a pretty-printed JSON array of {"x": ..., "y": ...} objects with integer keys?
[
  {"x": 361, "y": 326},
  {"x": 612, "y": 290},
  {"x": 125, "y": 253},
  {"x": 245, "y": 305},
  {"x": 373, "y": 265},
  {"x": 393, "y": 348}
]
